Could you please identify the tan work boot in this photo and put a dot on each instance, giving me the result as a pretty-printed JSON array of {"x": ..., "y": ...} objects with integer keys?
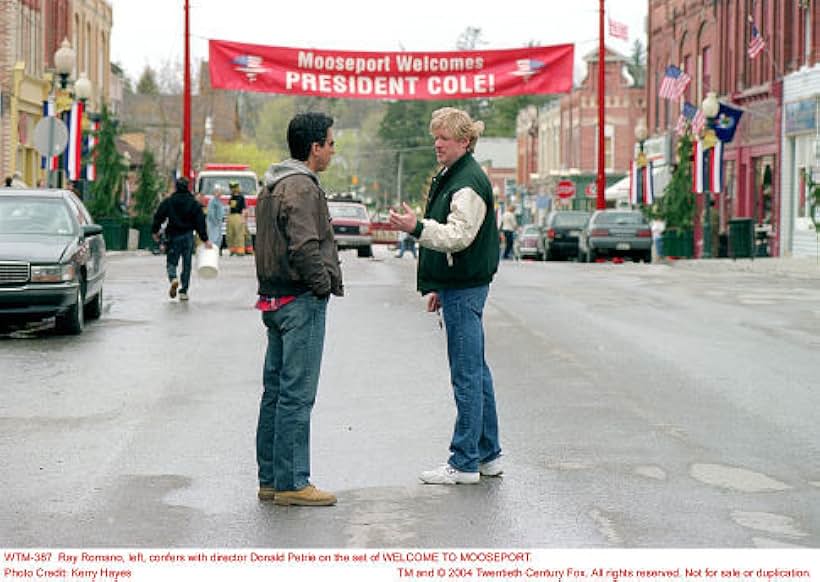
[
  {"x": 309, "y": 495},
  {"x": 266, "y": 493}
]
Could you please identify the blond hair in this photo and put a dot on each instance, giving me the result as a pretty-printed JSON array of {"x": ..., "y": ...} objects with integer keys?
[{"x": 458, "y": 124}]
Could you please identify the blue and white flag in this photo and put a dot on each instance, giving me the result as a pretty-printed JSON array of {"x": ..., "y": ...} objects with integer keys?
[{"x": 726, "y": 122}]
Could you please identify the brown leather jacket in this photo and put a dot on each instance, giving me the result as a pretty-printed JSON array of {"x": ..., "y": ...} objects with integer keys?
[{"x": 295, "y": 249}]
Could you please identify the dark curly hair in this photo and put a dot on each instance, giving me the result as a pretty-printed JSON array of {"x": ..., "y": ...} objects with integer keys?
[{"x": 306, "y": 129}]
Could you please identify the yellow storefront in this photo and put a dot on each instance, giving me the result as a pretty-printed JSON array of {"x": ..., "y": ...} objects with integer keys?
[{"x": 26, "y": 105}]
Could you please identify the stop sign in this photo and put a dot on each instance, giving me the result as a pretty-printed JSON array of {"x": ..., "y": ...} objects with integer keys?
[{"x": 565, "y": 189}]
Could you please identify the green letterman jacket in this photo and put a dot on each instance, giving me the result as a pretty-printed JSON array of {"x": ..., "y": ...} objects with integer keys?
[{"x": 475, "y": 265}]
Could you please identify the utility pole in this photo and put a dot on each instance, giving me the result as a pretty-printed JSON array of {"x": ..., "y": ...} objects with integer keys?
[
  {"x": 601, "y": 183},
  {"x": 186, "y": 99}
]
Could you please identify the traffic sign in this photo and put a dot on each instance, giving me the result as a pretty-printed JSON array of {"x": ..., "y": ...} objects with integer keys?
[
  {"x": 565, "y": 189},
  {"x": 591, "y": 189},
  {"x": 50, "y": 136}
]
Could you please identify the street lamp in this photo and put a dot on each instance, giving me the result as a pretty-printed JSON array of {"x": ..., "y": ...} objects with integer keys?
[
  {"x": 641, "y": 134},
  {"x": 710, "y": 108},
  {"x": 64, "y": 60},
  {"x": 83, "y": 88}
]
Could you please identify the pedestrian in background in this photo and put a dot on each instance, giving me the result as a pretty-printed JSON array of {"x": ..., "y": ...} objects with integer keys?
[
  {"x": 236, "y": 220},
  {"x": 406, "y": 243},
  {"x": 297, "y": 268},
  {"x": 657, "y": 226},
  {"x": 458, "y": 237},
  {"x": 509, "y": 224},
  {"x": 184, "y": 215},
  {"x": 215, "y": 217}
]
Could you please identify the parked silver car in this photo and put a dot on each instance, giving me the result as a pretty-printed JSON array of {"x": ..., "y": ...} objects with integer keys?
[
  {"x": 529, "y": 243},
  {"x": 616, "y": 233}
]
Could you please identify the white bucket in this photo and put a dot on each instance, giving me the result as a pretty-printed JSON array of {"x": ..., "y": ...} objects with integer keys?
[{"x": 207, "y": 260}]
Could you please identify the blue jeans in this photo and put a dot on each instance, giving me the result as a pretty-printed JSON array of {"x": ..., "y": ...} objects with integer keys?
[
  {"x": 475, "y": 436},
  {"x": 296, "y": 337},
  {"x": 181, "y": 246}
]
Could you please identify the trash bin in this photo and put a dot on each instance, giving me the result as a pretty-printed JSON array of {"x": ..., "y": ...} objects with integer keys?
[
  {"x": 741, "y": 238},
  {"x": 115, "y": 233},
  {"x": 677, "y": 243}
]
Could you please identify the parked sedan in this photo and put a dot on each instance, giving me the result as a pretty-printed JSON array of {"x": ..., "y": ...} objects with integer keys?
[
  {"x": 52, "y": 259},
  {"x": 611, "y": 233},
  {"x": 529, "y": 243},
  {"x": 563, "y": 230}
]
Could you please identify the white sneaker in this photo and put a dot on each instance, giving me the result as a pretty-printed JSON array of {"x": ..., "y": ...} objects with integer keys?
[
  {"x": 183, "y": 296},
  {"x": 491, "y": 469},
  {"x": 447, "y": 475}
]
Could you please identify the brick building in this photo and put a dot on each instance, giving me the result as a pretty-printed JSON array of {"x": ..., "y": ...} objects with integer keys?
[
  {"x": 561, "y": 139},
  {"x": 709, "y": 40},
  {"x": 31, "y": 31}
]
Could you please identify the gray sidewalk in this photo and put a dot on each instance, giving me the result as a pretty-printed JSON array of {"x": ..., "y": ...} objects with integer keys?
[{"x": 790, "y": 267}]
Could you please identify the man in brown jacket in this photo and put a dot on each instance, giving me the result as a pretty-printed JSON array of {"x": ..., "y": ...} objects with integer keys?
[{"x": 297, "y": 268}]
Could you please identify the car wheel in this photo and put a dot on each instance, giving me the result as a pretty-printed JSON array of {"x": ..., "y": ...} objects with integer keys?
[
  {"x": 94, "y": 309},
  {"x": 647, "y": 257},
  {"x": 72, "y": 321},
  {"x": 365, "y": 251}
]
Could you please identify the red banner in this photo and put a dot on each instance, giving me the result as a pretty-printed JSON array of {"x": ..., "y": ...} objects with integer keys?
[{"x": 391, "y": 75}]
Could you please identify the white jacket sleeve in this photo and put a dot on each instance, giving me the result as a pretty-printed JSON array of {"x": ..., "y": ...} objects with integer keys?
[{"x": 467, "y": 212}]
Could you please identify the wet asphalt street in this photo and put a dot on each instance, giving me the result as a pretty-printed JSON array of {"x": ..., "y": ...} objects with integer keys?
[{"x": 640, "y": 406}]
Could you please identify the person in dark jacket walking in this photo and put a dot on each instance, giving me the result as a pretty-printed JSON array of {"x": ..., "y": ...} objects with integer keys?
[
  {"x": 184, "y": 215},
  {"x": 297, "y": 268},
  {"x": 459, "y": 256}
]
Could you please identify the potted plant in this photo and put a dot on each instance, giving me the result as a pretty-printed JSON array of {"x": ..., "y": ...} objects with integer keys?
[
  {"x": 146, "y": 199},
  {"x": 104, "y": 203},
  {"x": 677, "y": 206}
]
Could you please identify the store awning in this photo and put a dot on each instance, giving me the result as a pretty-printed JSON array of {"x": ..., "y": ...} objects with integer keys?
[{"x": 620, "y": 189}]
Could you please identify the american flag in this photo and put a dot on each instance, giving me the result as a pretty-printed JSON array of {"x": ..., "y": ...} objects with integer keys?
[
  {"x": 687, "y": 112},
  {"x": 618, "y": 30},
  {"x": 756, "y": 43},
  {"x": 698, "y": 122},
  {"x": 674, "y": 83}
]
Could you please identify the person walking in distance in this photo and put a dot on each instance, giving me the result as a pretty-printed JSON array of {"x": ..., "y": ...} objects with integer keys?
[
  {"x": 184, "y": 215},
  {"x": 216, "y": 216},
  {"x": 297, "y": 268},
  {"x": 236, "y": 220},
  {"x": 458, "y": 240},
  {"x": 509, "y": 224}
]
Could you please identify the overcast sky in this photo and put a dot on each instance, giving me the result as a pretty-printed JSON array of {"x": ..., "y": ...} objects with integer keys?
[{"x": 150, "y": 32}]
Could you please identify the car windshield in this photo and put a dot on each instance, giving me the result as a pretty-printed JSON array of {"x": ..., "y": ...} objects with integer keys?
[
  {"x": 247, "y": 185},
  {"x": 348, "y": 211},
  {"x": 530, "y": 231},
  {"x": 570, "y": 219},
  {"x": 35, "y": 216},
  {"x": 617, "y": 218}
]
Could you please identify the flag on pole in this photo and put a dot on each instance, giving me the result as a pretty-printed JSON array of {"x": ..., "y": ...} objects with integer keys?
[
  {"x": 618, "y": 30},
  {"x": 90, "y": 143},
  {"x": 728, "y": 118},
  {"x": 707, "y": 168},
  {"x": 687, "y": 112},
  {"x": 51, "y": 163},
  {"x": 641, "y": 183},
  {"x": 698, "y": 122},
  {"x": 75, "y": 140},
  {"x": 756, "y": 43},
  {"x": 674, "y": 83}
]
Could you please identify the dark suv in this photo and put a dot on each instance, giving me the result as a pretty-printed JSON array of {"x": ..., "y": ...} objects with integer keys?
[{"x": 563, "y": 228}]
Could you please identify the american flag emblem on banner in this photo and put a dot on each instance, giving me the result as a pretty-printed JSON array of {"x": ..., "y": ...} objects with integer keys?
[{"x": 674, "y": 83}]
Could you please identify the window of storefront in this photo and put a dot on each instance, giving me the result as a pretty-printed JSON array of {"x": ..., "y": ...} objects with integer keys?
[{"x": 763, "y": 189}]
